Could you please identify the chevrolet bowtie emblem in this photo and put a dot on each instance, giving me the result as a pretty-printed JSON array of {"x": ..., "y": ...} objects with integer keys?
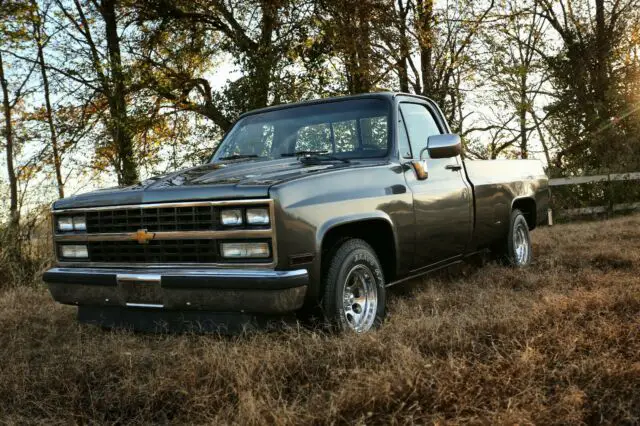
[{"x": 142, "y": 236}]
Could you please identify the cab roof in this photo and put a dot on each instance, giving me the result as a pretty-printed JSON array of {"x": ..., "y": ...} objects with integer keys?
[{"x": 375, "y": 95}]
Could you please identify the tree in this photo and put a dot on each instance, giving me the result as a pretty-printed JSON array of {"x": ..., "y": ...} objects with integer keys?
[
  {"x": 351, "y": 33},
  {"x": 588, "y": 74},
  {"x": 183, "y": 39},
  {"x": 517, "y": 76},
  {"x": 40, "y": 39},
  {"x": 108, "y": 78},
  {"x": 433, "y": 48},
  {"x": 12, "y": 17}
]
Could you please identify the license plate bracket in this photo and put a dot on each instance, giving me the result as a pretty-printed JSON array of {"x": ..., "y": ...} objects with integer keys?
[{"x": 141, "y": 290}]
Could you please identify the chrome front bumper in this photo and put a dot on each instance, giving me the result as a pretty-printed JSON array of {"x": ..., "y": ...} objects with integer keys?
[{"x": 220, "y": 290}]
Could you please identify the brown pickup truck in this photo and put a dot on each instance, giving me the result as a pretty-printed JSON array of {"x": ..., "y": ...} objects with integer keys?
[{"x": 314, "y": 204}]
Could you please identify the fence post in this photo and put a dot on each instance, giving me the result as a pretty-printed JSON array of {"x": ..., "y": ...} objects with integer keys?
[{"x": 609, "y": 196}]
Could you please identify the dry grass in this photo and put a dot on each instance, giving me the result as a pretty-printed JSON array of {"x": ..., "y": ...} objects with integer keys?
[{"x": 556, "y": 344}]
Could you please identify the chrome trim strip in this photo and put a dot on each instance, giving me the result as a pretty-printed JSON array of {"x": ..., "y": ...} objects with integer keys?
[
  {"x": 135, "y": 274},
  {"x": 149, "y": 278},
  {"x": 144, "y": 305},
  {"x": 106, "y": 265},
  {"x": 239, "y": 203},
  {"x": 170, "y": 235}
]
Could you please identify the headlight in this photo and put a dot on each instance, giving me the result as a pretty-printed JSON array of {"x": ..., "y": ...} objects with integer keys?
[
  {"x": 245, "y": 250},
  {"x": 79, "y": 223},
  {"x": 65, "y": 223},
  {"x": 258, "y": 216},
  {"x": 72, "y": 223},
  {"x": 74, "y": 252},
  {"x": 231, "y": 217}
]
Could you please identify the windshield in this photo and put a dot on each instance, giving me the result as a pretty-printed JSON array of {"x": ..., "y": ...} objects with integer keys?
[{"x": 347, "y": 129}]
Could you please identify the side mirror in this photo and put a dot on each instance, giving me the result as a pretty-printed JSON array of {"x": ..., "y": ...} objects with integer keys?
[{"x": 443, "y": 146}]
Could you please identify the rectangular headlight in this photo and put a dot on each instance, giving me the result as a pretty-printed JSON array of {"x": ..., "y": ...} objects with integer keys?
[
  {"x": 231, "y": 217},
  {"x": 72, "y": 223},
  {"x": 258, "y": 216},
  {"x": 245, "y": 250},
  {"x": 79, "y": 223},
  {"x": 65, "y": 223},
  {"x": 74, "y": 252}
]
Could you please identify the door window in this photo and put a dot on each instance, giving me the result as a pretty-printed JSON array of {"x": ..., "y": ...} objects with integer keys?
[{"x": 420, "y": 125}]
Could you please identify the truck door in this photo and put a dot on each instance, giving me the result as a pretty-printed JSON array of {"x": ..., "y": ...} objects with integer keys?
[{"x": 443, "y": 202}]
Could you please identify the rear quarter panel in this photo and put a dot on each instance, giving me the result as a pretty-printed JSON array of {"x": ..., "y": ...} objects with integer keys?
[{"x": 497, "y": 185}]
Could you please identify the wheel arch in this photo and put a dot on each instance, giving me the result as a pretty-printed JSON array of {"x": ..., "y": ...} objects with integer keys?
[
  {"x": 375, "y": 229},
  {"x": 527, "y": 205}
]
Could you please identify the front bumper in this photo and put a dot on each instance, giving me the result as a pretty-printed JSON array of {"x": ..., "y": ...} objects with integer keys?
[{"x": 221, "y": 290}]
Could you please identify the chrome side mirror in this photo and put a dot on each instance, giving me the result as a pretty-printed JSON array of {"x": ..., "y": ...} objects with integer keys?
[{"x": 443, "y": 146}]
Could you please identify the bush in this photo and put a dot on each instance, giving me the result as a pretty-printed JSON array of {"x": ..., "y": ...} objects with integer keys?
[{"x": 25, "y": 251}]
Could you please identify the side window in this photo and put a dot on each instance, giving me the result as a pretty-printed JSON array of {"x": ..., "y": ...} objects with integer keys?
[{"x": 420, "y": 125}]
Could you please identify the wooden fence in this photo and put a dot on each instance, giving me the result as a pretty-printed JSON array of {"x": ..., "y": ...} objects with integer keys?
[{"x": 610, "y": 207}]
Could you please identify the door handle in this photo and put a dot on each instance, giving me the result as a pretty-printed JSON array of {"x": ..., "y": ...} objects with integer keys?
[{"x": 452, "y": 167}]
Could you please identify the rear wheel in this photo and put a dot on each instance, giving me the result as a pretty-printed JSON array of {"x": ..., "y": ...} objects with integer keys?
[
  {"x": 516, "y": 250},
  {"x": 354, "y": 296}
]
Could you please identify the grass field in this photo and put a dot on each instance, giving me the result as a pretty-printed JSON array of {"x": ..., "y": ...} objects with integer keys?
[{"x": 558, "y": 343}]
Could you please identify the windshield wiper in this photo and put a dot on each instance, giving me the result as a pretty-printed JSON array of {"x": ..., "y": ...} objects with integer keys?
[
  {"x": 239, "y": 157},
  {"x": 314, "y": 157},
  {"x": 299, "y": 153}
]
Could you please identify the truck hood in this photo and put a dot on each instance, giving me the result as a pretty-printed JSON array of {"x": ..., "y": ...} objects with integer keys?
[{"x": 214, "y": 181}]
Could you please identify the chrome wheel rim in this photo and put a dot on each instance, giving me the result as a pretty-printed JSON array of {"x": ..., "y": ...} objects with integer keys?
[
  {"x": 521, "y": 244},
  {"x": 360, "y": 298}
]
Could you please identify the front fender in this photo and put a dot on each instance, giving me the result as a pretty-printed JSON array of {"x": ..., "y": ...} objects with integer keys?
[{"x": 325, "y": 227}]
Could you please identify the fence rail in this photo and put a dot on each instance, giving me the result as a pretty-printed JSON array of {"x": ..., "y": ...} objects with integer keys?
[
  {"x": 608, "y": 178},
  {"x": 577, "y": 180}
]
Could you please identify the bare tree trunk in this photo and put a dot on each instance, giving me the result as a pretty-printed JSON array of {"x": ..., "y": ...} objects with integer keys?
[
  {"x": 403, "y": 70},
  {"x": 262, "y": 57},
  {"x": 425, "y": 43},
  {"x": 356, "y": 50},
  {"x": 522, "y": 116},
  {"x": 8, "y": 133},
  {"x": 543, "y": 141},
  {"x": 57, "y": 163},
  {"x": 602, "y": 53},
  {"x": 120, "y": 129}
]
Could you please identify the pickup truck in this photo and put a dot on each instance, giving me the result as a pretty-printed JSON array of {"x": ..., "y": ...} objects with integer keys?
[{"x": 319, "y": 204}]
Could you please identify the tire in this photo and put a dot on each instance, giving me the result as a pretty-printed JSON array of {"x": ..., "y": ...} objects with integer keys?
[
  {"x": 354, "y": 292},
  {"x": 516, "y": 249}
]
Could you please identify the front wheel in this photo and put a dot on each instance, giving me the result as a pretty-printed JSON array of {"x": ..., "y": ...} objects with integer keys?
[
  {"x": 354, "y": 296},
  {"x": 516, "y": 250}
]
